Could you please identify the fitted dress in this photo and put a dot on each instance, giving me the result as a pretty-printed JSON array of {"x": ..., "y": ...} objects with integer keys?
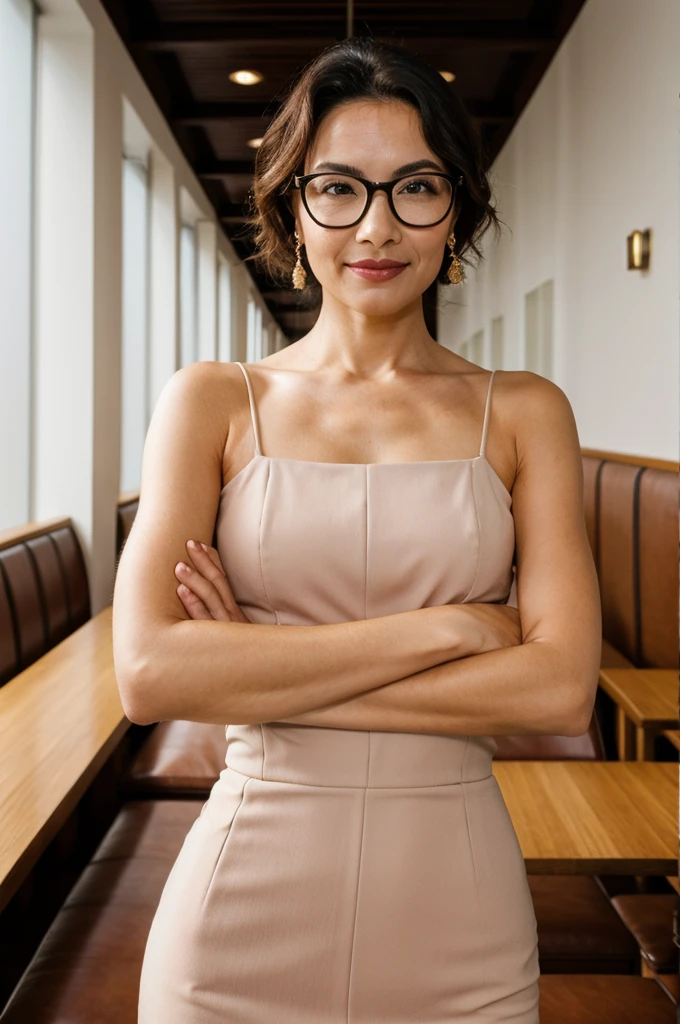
[{"x": 339, "y": 876}]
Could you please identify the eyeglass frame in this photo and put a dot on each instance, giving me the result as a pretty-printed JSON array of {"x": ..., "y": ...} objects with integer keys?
[{"x": 300, "y": 182}]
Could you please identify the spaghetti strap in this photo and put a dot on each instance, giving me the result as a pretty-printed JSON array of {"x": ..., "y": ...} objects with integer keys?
[
  {"x": 486, "y": 415},
  {"x": 253, "y": 410}
]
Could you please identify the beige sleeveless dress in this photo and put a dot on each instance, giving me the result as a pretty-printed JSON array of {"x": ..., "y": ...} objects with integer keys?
[{"x": 341, "y": 876}]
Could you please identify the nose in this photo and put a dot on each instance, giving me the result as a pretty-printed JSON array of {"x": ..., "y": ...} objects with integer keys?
[{"x": 378, "y": 225}]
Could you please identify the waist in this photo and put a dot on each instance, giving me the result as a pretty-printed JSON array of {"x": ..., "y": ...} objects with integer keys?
[{"x": 307, "y": 755}]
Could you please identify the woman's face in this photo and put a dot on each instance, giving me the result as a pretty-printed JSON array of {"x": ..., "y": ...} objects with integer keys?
[{"x": 377, "y": 138}]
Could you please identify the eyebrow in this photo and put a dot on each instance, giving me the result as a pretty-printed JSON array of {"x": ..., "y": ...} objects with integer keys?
[{"x": 417, "y": 165}]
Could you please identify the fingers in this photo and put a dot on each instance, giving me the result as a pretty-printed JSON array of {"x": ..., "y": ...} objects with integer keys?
[
  {"x": 202, "y": 590},
  {"x": 205, "y": 576},
  {"x": 193, "y": 604},
  {"x": 214, "y": 555}
]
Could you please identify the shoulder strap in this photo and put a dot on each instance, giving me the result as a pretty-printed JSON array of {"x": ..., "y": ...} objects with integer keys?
[
  {"x": 253, "y": 410},
  {"x": 486, "y": 415}
]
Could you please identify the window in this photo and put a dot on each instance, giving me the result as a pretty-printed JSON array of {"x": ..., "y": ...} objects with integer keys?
[
  {"x": 17, "y": 70},
  {"x": 225, "y": 348},
  {"x": 135, "y": 342},
  {"x": 188, "y": 295},
  {"x": 251, "y": 347}
]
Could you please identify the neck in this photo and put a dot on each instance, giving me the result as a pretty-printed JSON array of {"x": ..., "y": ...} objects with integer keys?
[{"x": 370, "y": 343}]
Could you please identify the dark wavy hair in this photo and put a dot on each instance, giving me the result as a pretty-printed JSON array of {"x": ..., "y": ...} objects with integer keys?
[{"x": 363, "y": 68}]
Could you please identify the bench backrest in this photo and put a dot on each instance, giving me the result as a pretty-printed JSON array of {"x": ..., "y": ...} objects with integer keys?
[
  {"x": 631, "y": 509},
  {"x": 44, "y": 592}
]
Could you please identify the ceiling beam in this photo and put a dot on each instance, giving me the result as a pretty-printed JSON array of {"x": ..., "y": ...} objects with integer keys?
[
  {"x": 204, "y": 113},
  {"x": 276, "y": 36},
  {"x": 223, "y": 168},
  {"x": 208, "y": 113}
]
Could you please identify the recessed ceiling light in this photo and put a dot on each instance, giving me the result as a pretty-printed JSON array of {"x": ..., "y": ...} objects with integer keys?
[
  {"x": 246, "y": 77},
  {"x": 254, "y": 143},
  {"x": 448, "y": 76}
]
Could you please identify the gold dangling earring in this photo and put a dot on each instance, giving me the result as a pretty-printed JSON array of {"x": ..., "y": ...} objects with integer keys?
[
  {"x": 299, "y": 272},
  {"x": 455, "y": 273}
]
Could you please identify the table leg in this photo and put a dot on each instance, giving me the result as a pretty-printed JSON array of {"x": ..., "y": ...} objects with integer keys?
[
  {"x": 644, "y": 744},
  {"x": 625, "y": 736}
]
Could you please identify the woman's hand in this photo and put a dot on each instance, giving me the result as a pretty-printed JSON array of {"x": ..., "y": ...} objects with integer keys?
[
  {"x": 483, "y": 627},
  {"x": 204, "y": 589}
]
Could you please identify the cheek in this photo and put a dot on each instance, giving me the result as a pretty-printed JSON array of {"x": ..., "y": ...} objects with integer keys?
[{"x": 325, "y": 255}]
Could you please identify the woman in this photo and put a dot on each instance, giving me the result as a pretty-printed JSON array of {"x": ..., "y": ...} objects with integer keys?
[{"x": 355, "y": 863}]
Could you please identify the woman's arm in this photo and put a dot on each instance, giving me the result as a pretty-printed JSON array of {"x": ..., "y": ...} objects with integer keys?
[
  {"x": 169, "y": 667},
  {"x": 546, "y": 684}
]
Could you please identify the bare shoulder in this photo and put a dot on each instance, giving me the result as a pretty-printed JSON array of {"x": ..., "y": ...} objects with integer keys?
[
  {"x": 537, "y": 413},
  {"x": 207, "y": 383}
]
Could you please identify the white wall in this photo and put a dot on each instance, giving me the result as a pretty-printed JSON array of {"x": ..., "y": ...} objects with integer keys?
[
  {"x": 92, "y": 108},
  {"x": 16, "y": 117},
  {"x": 594, "y": 155}
]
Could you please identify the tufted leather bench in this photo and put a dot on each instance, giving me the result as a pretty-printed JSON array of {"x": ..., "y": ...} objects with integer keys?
[
  {"x": 650, "y": 919},
  {"x": 631, "y": 510},
  {"x": 44, "y": 592},
  {"x": 87, "y": 968},
  {"x": 179, "y": 759}
]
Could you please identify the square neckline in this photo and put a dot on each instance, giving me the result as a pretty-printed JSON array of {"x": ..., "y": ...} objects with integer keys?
[
  {"x": 259, "y": 455},
  {"x": 365, "y": 465}
]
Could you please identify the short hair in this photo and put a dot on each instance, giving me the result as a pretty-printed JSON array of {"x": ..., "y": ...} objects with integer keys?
[{"x": 364, "y": 68}]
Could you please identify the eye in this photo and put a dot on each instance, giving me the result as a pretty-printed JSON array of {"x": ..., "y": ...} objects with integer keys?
[
  {"x": 411, "y": 186},
  {"x": 337, "y": 184}
]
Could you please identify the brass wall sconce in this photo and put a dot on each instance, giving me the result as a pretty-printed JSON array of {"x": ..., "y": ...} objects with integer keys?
[{"x": 639, "y": 246}]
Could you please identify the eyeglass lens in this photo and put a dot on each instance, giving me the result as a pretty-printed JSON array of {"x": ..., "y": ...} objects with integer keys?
[{"x": 337, "y": 200}]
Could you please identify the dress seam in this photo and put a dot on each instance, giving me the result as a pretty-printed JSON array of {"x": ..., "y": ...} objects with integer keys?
[
  {"x": 259, "y": 545},
  {"x": 479, "y": 534},
  {"x": 328, "y": 785},
  {"x": 356, "y": 903}
]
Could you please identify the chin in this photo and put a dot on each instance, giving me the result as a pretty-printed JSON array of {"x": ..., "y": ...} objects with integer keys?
[{"x": 380, "y": 301}]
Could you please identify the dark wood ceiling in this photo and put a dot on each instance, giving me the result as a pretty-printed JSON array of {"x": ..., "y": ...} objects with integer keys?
[{"x": 497, "y": 49}]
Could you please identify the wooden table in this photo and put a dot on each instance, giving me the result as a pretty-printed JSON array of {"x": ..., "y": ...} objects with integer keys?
[
  {"x": 593, "y": 817},
  {"x": 60, "y": 719},
  {"x": 647, "y": 703}
]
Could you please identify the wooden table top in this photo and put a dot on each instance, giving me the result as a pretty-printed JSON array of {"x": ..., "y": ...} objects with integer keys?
[
  {"x": 649, "y": 696},
  {"x": 60, "y": 719},
  {"x": 593, "y": 817}
]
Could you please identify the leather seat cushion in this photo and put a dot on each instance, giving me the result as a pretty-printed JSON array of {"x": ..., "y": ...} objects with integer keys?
[{"x": 578, "y": 929}]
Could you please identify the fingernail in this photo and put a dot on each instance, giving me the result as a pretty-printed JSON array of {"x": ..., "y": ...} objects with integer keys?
[
  {"x": 181, "y": 567},
  {"x": 192, "y": 544},
  {"x": 204, "y": 546}
]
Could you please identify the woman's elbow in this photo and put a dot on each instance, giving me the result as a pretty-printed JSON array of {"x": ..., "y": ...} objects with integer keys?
[
  {"x": 579, "y": 712},
  {"x": 135, "y": 688}
]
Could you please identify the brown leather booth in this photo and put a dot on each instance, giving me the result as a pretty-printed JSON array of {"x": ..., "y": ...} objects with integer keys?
[
  {"x": 44, "y": 592},
  {"x": 87, "y": 968}
]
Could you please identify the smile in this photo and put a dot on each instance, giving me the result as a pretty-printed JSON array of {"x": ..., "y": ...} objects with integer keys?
[{"x": 377, "y": 273}]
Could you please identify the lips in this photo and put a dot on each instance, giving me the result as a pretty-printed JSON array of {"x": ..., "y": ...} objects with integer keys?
[
  {"x": 377, "y": 264},
  {"x": 372, "y": 270}
]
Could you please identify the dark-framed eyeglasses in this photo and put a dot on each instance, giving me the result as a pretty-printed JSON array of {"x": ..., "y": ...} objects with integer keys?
[{"x": 419, "y": 200}]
